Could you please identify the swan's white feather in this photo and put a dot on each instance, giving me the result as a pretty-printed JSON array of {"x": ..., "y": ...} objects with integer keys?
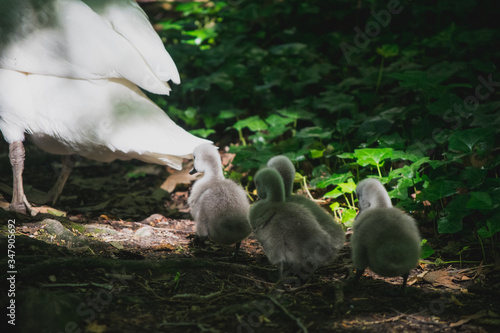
[
  {"x": 90, "y": 39},
  {"x": 102, "y": 119}
]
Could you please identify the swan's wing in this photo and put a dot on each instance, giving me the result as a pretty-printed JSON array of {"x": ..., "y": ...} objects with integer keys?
[{"x": 85, "y": 40}]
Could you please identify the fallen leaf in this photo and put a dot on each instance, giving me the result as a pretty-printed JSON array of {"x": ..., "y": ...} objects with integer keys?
[
  {"x": 179, "y": 177},
  {"x": 441, "y": 278}
]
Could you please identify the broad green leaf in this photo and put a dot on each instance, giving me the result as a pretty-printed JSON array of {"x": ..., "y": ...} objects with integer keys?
[
  {"x": 335, "y": 193},
  {"x": 202, "y": 132},
  {"x": 334, "y": 179},
  {"x": 348, "y": 216},
  {"x": 228, "y": 114},
  {"x": 401, "y": 191},
  {"x": 438, "y": 189},
  {"x": 253, "y": 123},
  {"x": 334, "y": 206},
  {"x": 450, "y": 224},
  {"x": 466, "y": 140},
  {"x": 346, "y": 155},
  {"x": 372, "y": 156},
  {"x": 480, "y": 200},
  {"x": 313, "y": 132},
  {"x": 296, "y": 114},
  {"x": 276, "y": 120},
  {"x": 491, "y": 228},
  {"x": 348, "y": 187}
]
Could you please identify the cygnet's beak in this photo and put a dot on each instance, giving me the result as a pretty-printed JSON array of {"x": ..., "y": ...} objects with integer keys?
[{"x": 193, "y": 171}]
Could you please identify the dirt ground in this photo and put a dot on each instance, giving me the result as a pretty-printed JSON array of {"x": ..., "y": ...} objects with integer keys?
[{"x": 122, "y": 259}]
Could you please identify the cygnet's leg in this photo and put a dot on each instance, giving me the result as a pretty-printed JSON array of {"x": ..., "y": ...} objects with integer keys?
[
  {"x": 403, "y": 287},
  {"x": 56, "y": 190},
  {"x": 237, "y": 250},
  {"x": 359, "y": 273},
  {"x": 19, "y": 202}
]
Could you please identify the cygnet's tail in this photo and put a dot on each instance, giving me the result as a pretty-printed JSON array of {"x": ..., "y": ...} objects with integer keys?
[
  {"x": 231, "y": 229},
  {"x": 394, "y": 258}
]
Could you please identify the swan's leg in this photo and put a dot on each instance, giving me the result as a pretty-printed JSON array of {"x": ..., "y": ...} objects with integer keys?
[
  {"x": 56, "y": 190},
  {"x": 19, "y": 202}
]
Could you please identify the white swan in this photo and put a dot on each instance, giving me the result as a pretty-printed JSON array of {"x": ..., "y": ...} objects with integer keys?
[
  {"x": 288, "y": 231},
  {"x": 219, "y": 206},
  {"x": 285, "y": 168},
  {"x": 68, "y": 76},
  {"x": 384, "y": 238}
]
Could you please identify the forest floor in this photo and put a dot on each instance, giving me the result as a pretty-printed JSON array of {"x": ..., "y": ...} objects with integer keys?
[{"x": 122, "y": 259}]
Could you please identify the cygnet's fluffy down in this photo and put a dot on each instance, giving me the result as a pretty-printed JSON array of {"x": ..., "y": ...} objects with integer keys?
[
  {"x": 384, "y": 238},
  {"x": 288, "y": 232},
  {"x": 285, "y": 168},
  {"x": 219, "y": 206}
]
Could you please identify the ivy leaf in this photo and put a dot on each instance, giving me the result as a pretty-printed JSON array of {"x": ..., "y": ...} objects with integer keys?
[
  {"x": 313, "y": 132},
  {"x": 253, "y": 123},
  {"x": 491, "y": 228},
  {"x": 401, "y": 191},
  {"x": 450, "y": 224},
  {"x": 203, "y": 132},
  {"x": 276, "y": 120},
  {"x": 438, "y": 189},
  {"x": 348, "y": 216},
  {"x": 426, "y": 250},
  {"x": 372, "y": 156},
  {"x": 334, "y": 179},
  {"x": 480, "y": 200},
  {"x": 464, "y": 141}
]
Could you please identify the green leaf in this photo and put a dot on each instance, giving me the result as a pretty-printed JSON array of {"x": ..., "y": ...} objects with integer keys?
[
  {"x": 334, "y": 179},
  {"x": 388, "y": 50},
  {"x": 426, "y": 250},
  {"x": 480, "y": 200},
  {"x": 466, "y": 140},
  {"x": 288, "y": 49},
  {"x": 276, "y": 120},
  {"x": 253, "y": 123},
  {"x": 372, "y": 156},
  {"x": 401, "y": 191},
  {"x": 334, "y": 206},
  {"x": 202, "y": 132},
  {"x": 341, "y": 189},
  {"x": 348, "y": 216},
  {"x": 438, "y": 189},
  {"x": 491, "y": 228},
  {"x": 316, "y": 153},
  {"x": 449, "y": 224},
  {"x": 348, "y": 187},
  {"x": 313, "y": 132}
]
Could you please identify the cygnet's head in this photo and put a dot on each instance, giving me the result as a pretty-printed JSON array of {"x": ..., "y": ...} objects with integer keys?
[
  {"x": 286, "y": 169},
  {"x": 371, "y": 193},
  {"x": 269, "y": 185},
  {"x": 206, "y": 158}
]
